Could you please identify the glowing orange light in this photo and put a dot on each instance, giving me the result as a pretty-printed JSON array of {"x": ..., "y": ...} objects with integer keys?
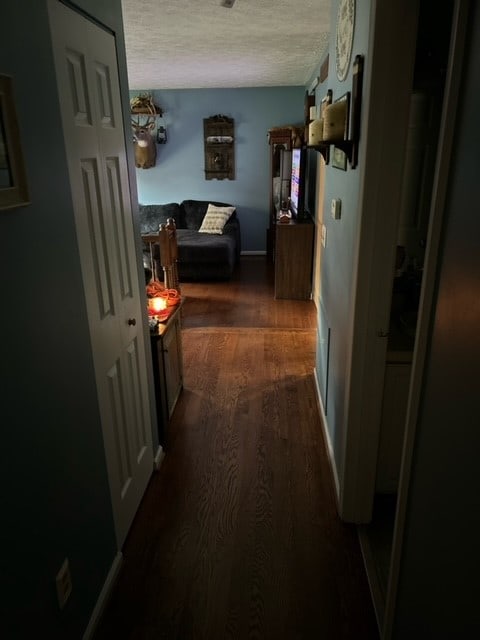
[{"x": 158, "y": 304}]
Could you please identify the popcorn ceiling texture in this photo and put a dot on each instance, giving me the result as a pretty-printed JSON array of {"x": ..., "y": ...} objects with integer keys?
[{"x": 179, "y": 44}]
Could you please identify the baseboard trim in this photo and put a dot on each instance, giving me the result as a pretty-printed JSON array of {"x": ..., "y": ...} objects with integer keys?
[
  {"x": 104, "y": 596},
  {"x": 158, "y": 459},
  {"x": 331, "y": 457},
  {"x": 378, "y": 597},
  {"x": 253, "y": 253}
]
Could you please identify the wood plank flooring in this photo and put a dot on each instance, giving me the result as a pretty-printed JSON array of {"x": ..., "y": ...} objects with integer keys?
[{"x": 238, "y": 537}]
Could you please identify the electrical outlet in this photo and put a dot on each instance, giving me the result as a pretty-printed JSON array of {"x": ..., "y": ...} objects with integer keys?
[{"x": 63, "y": 582}]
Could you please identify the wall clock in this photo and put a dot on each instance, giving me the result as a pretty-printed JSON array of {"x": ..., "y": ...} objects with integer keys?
[{"x": 344, "y": 39}]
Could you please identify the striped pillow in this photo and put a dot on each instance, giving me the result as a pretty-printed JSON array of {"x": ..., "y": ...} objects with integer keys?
[{"x": 215, "y": 219}]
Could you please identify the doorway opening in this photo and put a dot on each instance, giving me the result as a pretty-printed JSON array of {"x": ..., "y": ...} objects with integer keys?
[{"x": 426, "y": 103}]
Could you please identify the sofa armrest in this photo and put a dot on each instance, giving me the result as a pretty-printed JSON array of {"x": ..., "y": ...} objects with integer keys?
[{"x": 233, "y": 228}]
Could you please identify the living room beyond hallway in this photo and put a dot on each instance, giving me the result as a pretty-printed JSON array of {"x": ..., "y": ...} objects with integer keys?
[{"x": 238, "y": 534}]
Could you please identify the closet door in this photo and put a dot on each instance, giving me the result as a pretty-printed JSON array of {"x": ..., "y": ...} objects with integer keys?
[{"x": 87, "y": 74}]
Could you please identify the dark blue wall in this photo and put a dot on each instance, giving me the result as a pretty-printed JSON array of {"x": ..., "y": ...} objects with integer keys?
[{"x": 55, "y": 495}]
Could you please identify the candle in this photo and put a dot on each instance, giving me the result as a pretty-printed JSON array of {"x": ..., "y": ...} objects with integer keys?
[{"x": 158, "y": 304}]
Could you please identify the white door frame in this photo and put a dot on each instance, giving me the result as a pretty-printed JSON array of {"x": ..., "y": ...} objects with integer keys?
[{"x": 389, "y": 76}]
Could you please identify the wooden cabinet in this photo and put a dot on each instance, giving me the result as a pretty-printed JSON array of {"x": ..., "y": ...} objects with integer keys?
[
  {"x": 280, "y": 141},
  {"x": 293, "y": 260},
  {"x": 289, "y": 244},
  {"x": 167, "y": 356}
]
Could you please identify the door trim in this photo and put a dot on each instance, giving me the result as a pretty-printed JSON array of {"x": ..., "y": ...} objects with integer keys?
[
  {"x": 387, "y": 100},
  {"x": 444, "y": 159}
]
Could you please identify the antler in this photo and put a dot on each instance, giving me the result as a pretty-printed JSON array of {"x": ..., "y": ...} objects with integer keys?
[
  {"x": 144, "y": 103},
  {"x": 149, "y": 124}
]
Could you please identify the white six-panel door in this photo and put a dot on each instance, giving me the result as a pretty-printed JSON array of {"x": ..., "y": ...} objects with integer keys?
[{"x": 87, "y": 76}]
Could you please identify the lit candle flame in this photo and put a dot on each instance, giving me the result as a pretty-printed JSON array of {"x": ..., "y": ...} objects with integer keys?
[{"x": 158, "y": 304}]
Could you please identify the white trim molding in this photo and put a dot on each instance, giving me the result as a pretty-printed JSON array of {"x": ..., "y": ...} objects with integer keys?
[
  {"x": 105, "y": 593},
  {"x": 159, "y": 457},
  {"x": 328, "y": 442}
]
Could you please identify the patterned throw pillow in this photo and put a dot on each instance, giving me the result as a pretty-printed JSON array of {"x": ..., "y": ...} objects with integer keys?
[{"x": 215, "y": 219}]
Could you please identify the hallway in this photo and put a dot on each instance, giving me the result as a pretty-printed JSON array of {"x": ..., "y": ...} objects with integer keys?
[{"x": 238, "y": 536}]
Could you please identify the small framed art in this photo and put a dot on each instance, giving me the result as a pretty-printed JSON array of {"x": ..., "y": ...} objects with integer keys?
[
  {"x": 13, "y": 180},
  {"x": 339, "y": 159}
]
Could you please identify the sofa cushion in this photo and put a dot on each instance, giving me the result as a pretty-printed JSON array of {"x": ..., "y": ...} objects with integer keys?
[
  {"x": 215, "y": 219},
  {"x": 195, "y": 247},
  {"x": 195, "y": 210},
  {"x": 200, "y": 255},
  {"x": 153, "y": 215}
]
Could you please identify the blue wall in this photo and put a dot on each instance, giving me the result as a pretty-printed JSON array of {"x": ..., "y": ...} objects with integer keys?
[
  {"x": 179, "y": 171},
  {"x": 56, "y": 498},
  {"x": 339, "y": 258}
]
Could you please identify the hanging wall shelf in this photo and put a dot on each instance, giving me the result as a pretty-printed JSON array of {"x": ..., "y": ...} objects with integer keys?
[
  {"x": 346, "y": 111},
  {"x": 218, "y": 133}
]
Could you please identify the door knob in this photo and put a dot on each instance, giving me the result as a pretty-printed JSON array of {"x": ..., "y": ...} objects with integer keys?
[{"x": 132, "y": 322}]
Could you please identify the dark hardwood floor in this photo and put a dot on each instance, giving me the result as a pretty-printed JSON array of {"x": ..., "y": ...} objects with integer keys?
[{"x": 238, "y": 536}]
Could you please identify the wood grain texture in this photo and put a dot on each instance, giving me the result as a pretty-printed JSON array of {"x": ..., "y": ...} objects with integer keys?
[
  {"x": 238, "y": 536},
  {"x": 293, "y": 260}
]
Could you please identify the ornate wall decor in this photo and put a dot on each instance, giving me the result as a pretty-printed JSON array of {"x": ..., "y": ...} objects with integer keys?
[
  {"x": 344, "y": 37},
  {"x": 218, "y": 132}
]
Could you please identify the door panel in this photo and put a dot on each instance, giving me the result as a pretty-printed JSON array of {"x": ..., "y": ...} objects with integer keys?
[
  {"x": 96, "y": 231},
  {"x": 118, "y": 427},
  {"x": 89, "y": 94},
  {"x": 120, "y": 244}
]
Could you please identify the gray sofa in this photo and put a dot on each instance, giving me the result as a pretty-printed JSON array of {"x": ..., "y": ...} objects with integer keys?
[{"x": 201, "y": 256}]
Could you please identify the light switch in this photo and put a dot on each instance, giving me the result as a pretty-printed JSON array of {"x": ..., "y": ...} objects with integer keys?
[
  {"x": 324, "y": 236},
  {"x": 336, "y": 208}
]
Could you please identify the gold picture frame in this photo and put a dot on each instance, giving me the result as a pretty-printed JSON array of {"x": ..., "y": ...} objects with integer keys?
[{"x": 13, "y": 178}]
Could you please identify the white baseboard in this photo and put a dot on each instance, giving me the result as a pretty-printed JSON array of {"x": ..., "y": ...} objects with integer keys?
[
  {"x": 104, "y": 595},
  {"x": 331, "y": 457},
  {"x": 158, "y": 459},
  {"x": 114, "y": 570},
  {"x": 253, "y": 253},
  {"x": 374, "y": 582}
]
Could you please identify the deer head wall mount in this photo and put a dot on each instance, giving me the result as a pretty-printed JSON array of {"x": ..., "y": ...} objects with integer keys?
[
  {"x": 144, "y": 129},
  {"x": 144, "y": 142}
]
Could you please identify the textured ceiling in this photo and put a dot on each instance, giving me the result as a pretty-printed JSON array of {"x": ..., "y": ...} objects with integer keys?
[{"x": 178, "y": 44}]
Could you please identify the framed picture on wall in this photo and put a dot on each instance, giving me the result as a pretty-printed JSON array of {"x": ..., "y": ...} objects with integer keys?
[
  {"x": 339, "y": 159},
  {"x": 13, "y": 181}
]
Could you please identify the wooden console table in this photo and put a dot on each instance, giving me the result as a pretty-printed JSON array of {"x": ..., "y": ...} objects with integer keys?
[
  {"x": 293, "y": 259},
  {"x": 167, "y": 357}
]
